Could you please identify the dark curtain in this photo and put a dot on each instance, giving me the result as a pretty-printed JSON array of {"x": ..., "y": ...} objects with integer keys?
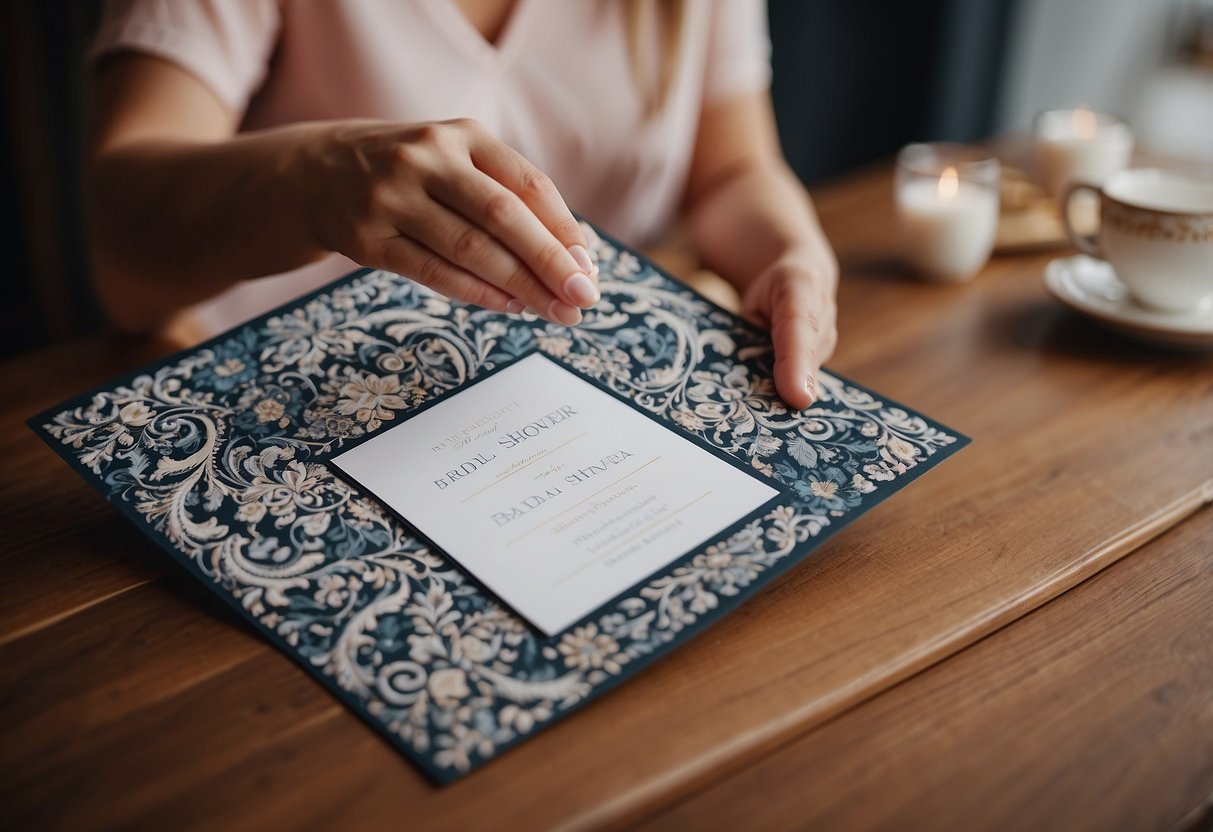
[
  {"x": 47, "y": 296},
  {"x": 855, "y": 81}
]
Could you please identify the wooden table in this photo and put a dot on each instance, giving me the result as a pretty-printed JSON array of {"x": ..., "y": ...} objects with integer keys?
[{"x": 971, "y": 654}]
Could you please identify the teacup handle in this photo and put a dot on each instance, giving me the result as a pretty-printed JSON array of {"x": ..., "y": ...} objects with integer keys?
[{"x": 1086, "y": 243}]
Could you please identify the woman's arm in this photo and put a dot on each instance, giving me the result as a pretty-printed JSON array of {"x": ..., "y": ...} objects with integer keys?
[
  {"x": 177, "y": 208},
  {"x": 180, "y": 207},
  {"x": 752, "y": 221}
]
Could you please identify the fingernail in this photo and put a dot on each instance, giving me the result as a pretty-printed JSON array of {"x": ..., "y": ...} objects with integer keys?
[
  {"x": 581, "y": 290},
  {"x": 810, "y": 385},
  {"x": 582, "y": 256},
  {"x": 515, "y": 307},
  {"x": 563, "y": 313}
]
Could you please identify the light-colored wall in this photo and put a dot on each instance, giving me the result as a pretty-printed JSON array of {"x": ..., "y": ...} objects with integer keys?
[
  {"x": 1094, "y": 52},
  {"x": 1116, "y": 56}
]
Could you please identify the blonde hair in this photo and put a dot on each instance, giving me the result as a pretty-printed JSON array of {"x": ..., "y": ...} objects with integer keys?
[{"x": 642, "y": 18}]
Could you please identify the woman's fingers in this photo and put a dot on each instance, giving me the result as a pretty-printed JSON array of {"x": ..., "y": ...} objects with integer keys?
[
  {"x": 509, "y": 167},
  {"x": 795, "y": 331},
  {"x": 486, "y": 202},
  {"x": 408, "y": 257},
  {"x": 495, "y": 188},
  {"x": 800, "y": 314},
  {"x": 827, "y": 342},
  {"x": 477, "y": 252},
  {"x": 464, "y": 207}
]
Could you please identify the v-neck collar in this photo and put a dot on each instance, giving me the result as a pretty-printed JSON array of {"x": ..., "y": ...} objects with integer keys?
[{"x": 466, "y": 37}]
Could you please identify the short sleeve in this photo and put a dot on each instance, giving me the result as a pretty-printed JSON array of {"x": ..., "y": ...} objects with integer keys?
[
  {"x": 739, "y": 49},
  {"x": 226, "y": 44}
]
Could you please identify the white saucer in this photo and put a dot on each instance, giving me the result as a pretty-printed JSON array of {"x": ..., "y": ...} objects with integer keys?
[{"x": 1091, "y": 287}]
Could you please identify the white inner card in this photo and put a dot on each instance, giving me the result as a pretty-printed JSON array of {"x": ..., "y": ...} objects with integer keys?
[{"x": 554, "y": 494}]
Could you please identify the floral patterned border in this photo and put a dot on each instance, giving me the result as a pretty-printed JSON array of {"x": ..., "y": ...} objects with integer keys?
[{"x": 218, "y": 453}]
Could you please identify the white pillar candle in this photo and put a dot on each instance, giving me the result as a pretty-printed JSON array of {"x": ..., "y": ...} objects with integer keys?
[
  {"x": 1079, "y": 144},
  {"x": 948, "y": 224}
]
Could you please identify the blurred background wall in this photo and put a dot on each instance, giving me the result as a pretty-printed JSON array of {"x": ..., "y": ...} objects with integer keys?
[
  {"x": 46, "y": 291},
  {"x": 854, "y": 81}
]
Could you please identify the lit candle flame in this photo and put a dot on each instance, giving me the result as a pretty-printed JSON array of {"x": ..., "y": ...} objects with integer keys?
[
  {"x": 949, "y": 184},
  {"x": 1084, "y": 124}
]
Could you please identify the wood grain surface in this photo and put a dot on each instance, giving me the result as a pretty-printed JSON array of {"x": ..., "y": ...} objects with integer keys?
[
  {"x": 128, "y": 698},
  {"x": 1095, "y": 712}
]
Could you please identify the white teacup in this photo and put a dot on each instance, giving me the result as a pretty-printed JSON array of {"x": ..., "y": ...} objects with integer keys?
[{"x": 1156, "y": 231}]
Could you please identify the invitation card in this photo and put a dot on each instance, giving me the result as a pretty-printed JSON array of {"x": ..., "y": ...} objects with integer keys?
[
  {"x": 553, "y": 493},
  {"x": 466, "y": 525}
]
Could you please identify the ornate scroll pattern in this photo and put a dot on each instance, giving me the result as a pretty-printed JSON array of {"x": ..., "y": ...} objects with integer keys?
[{"x": 222, "y": 452}]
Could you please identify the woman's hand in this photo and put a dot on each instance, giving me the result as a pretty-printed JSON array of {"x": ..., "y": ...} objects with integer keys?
[
  {"x": 450, "y": 206},
  {"x": 794, "y": 297},
  {"x": 444, "y": 203},
  {"x": 754, "y": 224}
]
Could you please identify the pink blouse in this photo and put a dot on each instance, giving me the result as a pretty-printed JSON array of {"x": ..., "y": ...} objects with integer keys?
[{"x": 557, "y": 86}]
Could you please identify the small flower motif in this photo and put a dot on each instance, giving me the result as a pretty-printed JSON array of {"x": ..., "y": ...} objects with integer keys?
[
  {"x": 688, "y": 420},
  {"x": 269, "y": 410},
  {"x": 901, "y": 449},
  {"x": 372, "y": 399},
  {"x": 306, "y": 337},
  {"x": 766, "y": 444},
  {"x": 727, "y": 402},
  {"x": 823, "y": 489},
  {"x": 586, "y": 648},
  {"x": 230, "y": 367},
  {"x": 590, "y": 364},
  {"x": 521, "y": 719},
  {"x": 251, "y": 512},
  {"x": 301, "y": 479},
  {"x": 474, "y": 649},
  {"x": 135, "y": 414},
  {"x": 331, "y": 590},
  {"x": 232, "y": 364},
  {"x": 626, "y": 264},
  {"x": 829, "y": 491},
  {"x": 880, "y": 472},
  {"x": 447, "y": 686},
  {"x": 455, "y": 749},
  {"x": 557, "y": 346},
  {"x": 861, "y": 485},
  {"x": 723, "y": 571},
  {"x": 266, "y": 409},
  {"x": 341, "y": 427}
]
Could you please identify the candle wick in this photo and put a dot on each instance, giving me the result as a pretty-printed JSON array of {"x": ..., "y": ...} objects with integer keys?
[
  {"x": 949, "y": 184},
  {"x": 1084, "y": 123}
]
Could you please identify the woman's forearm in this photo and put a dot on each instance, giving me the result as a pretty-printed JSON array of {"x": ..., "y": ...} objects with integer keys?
[
  {"x": 173, "y": 222},
  {"x": 754, "y": 224},
  {"x": 753, "y": 215}
]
